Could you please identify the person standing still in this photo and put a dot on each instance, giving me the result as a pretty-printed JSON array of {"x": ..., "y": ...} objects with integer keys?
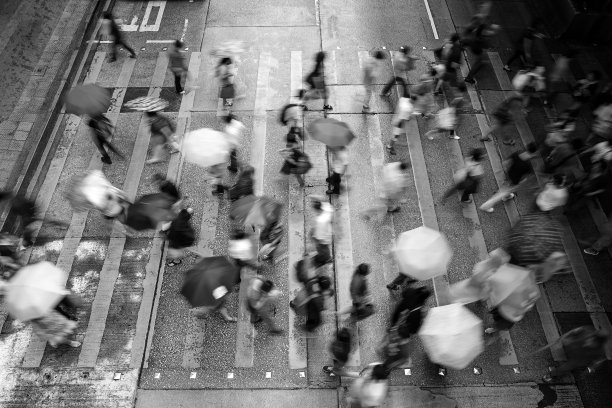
[
  {"x": 177, "y": 63},
  {"x": 112, "y": 30},
  {"x": 371, "y": 71},
  {"x": 322, "y": 231}
]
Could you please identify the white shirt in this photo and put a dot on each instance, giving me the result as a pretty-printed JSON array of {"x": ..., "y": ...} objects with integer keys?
[
  {"x": 240, "y": 249},
  {"x": 234, "y": 130},
  {"x": 552, "y": 197},
  {"x": 404, "y": 109},
  {"x": 323, "y": 224}
]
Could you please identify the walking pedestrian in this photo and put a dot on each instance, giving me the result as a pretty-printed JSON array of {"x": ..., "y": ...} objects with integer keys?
[
  {"x": 216, "y": 178},
  {"x": 403, "y": 113},
  {"x": 102, "y": 131},
  {"x": 234, "y": 130},
  {"x": 180, "y": 235},
  {"x": 422, "y": 97},
  {"x": 225, "y": 72},
  {"x": 244, "y": 184},
  {"x": 111, "y": 29},
  {"x": 604, "y": 240},
  {"x": 553, "y": 195},
  {"x": 371, "y": 388},
  {"x": 339, "y": 165},
  {"x": 316, "y": 81},
  {"x": 518, "y": 167},
  {"x": 528, "y": 84},
  {"x": 502, "y": 116},
  {"x": 446, "y": 121},
  {"x": 162, "y": 136},
  {"x": 177, "y": 62},
  {"x": 559, "y": 75},
  {"x": 292, "y": 114},
  {"x": 310, "y": 300},
  {"x": 371, "y": 71},
  {"x": 55, "y": 328},
  {"x": 296, "y": 161},
  {"x": 240, "y": 250},
  {"x": 340, "y": 349},
  {"x": 468, "y": 178},
  {"x": 477, "y": 38},
  {"x": 322, "y": 232},
  {"x": 395, "y": 181},
  {"x": 524, "y": 45},
  {"x": 362, "y": 304},
  {"x": 402, "y": 64},
  {"x": 563, "y": 157},
  {"x": 261, "y": 298},
  {"x": 450, "y": 55}
]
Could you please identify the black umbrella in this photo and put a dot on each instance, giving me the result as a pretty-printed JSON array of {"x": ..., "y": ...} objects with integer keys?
[
  {"x": 534, "y": 238},
  {"x": 148, "y": 211},
  {"x": 209, "y": 281}
]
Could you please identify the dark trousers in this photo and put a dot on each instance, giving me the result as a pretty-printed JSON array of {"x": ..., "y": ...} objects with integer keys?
[
  {"x": 100, "y": 142},
  {"x": 178, "y": 79},
  {"x": 120, "y": 42},
  {"x": 517, "y": 54},
  {"x": 392, "y": 82},
  {"x": 233, "y": 166},
  {"x": 477, "y": 64},
  {"x": 464, "y": 196},
  {"x": 323, "y": 255},
  {"x": 334, "y": 182}
]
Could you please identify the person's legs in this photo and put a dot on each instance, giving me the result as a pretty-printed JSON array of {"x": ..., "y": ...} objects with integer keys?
[
  {"x": 323, "y": 255},
  {"x": 113, "y": 52},
  {"x": 233, "y": 166},
  {"x": 99, "y": 141},
  {"x": 450, "y": 192},
  {"x": 476, "y": 66},
  {"x": 127, "y": 47},
  {"x": 157, "y": 154},
  {"x": 518, "y": 53},
  {"x": 178, "y": 77},
  {"x": 299, "y": 179},
  {"x": 465, "y": 197},
  {"x": 387, "y": 89},
  {"x": 266, "y": 315},
  {"x": 367, "y": 97},
  {"x": 334, "y": 183}
]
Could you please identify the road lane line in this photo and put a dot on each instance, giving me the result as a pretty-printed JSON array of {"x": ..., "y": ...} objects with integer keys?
[
  {"x": 295, "y": 235},
  {"x": 245, "y": 338},
  {"x": 72, "y": 238},
  {"x": 572, "y": 249},
  {"x": 152, "y": 285},
  {"x": 431, "y": 21},
  {"x": 160, "y": 41},
  {"x": 110, "y": 269},
  {"x": 144, "y": 26},
  {"x": 184, "y": 30}
]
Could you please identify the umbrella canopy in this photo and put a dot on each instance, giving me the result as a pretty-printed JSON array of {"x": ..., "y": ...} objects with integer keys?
[
  {"x": 422, "y": 253},
  {"x": 255, "y": 211},
  {"x": 331, "y": 132},
  {"x": 88, "y": 99},
  {"x": 88, "y": 191},
  {"x": 452, "y": 336},
  {"x": 147, "y": 104},
  {"x": 228, "y": 49},
  {"x": 209, "y": 281},
  {"x": 34, "y": 290},
  {"x": 148, "y": 211},
  {"x": 514, "y": 288},
  {"x": 533, "y": 239},
  {"x": 206, "y": 147}
]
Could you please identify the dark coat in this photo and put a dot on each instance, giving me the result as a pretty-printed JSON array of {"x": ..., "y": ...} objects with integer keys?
[{"x": 181, "y": 233}]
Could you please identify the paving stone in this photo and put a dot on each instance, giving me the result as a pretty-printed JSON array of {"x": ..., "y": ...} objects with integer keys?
[
  {"x": 25, "y": 126},
  {"x": 21, "y": 135},
  {"x": 16, "y": 145}
]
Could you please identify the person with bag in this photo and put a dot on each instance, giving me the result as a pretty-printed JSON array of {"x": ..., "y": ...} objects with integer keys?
[
  {"x": 402, "y": 64},
  {"x": 371, "y": 388},
  {"x": 477, "y": 39},
  {"x": 296, "y": 161},
  {"x": 446, "y": 121},
  {"x": 362, "y": 306},
  {"x": 561, "y": 158},
  {"x": 177, "y": 62},
  {"x": 69, "y": 305},
  {"x": 244, "y": 184},
  {"x": 111, "y": 29},
  {"x": 310, "y": 300},
  {"x": 450, "y": 54},
  {"x": 162, "y": 136},
  {"x": 339, "y": 165},
  {"x": 340, "y": 349},
  {"x": 468, "y": 178},
  {"x": 316, "y": 81},
  {"x": 234, "y": 130},
  {"x": 261, "y": 298},
  {"x": 102, "y": 132},
  {"x": 371, "y": 71},
  {"x": 180, "y": 235}
]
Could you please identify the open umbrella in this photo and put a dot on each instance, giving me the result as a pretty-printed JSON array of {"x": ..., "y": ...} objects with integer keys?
[
  {"x": 422, "y": 253},
  {"x": 148, "y": 211},
  {"x": 88, "y": 99},
  {"x": 255, "y": 211},
  {"x": 34, "y": 290},
  {"x": 452, "y": 336},
  {"x": 533, "y": 239},
  {"x": 209, "y": 280},
  {"x": 147, "y": 104},
  {"x": 206, "y": 147},
  {"x": 89, "y": 190},
  {"x": 331, "y": 132},
  {"x": 514, "y": 289}
]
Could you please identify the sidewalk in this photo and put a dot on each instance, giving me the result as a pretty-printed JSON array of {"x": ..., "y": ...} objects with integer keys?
[{"x": 39, "y": 46}]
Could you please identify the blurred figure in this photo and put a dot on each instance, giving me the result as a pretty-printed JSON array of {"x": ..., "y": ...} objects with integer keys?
[
  {"x": 523, "y": 46},
  {"x": 296, "y": 161},
  {"x": 111, "y": 29},
  {"x": 422, "y": 97},
  {"x": 559, "y": 75},
  {"x": 604, "y": 240},
  {"x": 216, "y": 174},
  {"x": 55, "y": 328},
  {"x": 403, "y": 113},
  {"x": 322, "y": 232},
  {"x": 102, "y": 132},
  {"x": 177, "y": 62},
  {"x": 450, "y": 54},
  {"x": 340, "y": 349},
  {"x": 371, "y": 388},
  {"x": 501, "y": 117},
  {"x": 467, "y": 179},
  {"x": 476, "y": 38},
  {"x": 162, "y": 135},
  {"x": 316, "y": 81},
  {"x": 528, "y": 84},
  {"x": 240, "y": 250},
  {"x": 339, "y": 165},
  {"x": 402, "y": 64},
  {"x": 585, "y": 348},
  {"x": 553, "y": 195},
  {"x": 446, "y": 121},
  {"x": 362, "y": 306},
  {"x": 261, "y": 298},
  {"x": 180, "y": 235},
  {"x": 244, "y": 184},
  {"x": 310, "y": 300},
  {"x": 225, "y": 72},
  {"x": 371, "y": 71},
  {"x": 234, "y": 130}
]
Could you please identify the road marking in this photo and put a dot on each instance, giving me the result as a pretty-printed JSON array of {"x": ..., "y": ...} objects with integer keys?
[
  {"x": 572, "y": 249},
  {"x": 133, "y": 26},
  {"x": 295, "y": 236},
  {"x": 36, "y": 347},
  {"x": 246, "y": 334},
  {"x": 160, "y": 41},
  {"x": 145, "y": 20},
  {"x": 110, "y": 269},
  {"x": 431, "y": 21},
  {"x": 99, "y": 42},
  {"x": 184, "y": 30}
]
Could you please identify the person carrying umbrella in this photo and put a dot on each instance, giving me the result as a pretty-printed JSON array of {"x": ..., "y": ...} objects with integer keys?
[
  {"x": 111, "y": 29},
  {"x": 339, "y": 165},
  {"x": 340, "y": 349},
  {"x": 322, "y": 232},
  {"x": 162, "y": 134},
  {"x": 102, "y": 132},
  {"x": 177, "y": 62},
  {"x": 234, "y": 130},
  {"x": 261, "y": 297}
]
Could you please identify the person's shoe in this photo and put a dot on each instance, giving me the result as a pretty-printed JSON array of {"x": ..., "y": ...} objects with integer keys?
[
  {"x": 393, "y": 209},
  {"x": 365, "y": 109},
  {"x": 327, "y": 107},
  {"x": 153, "y": 161},
  {"x": 547, "y": 378},
  {"x": 112, "y": 59},
  {"x": 385, "y": 94},
  {"x": 132, "y": 55},
  {"x": 330, "y": 192},
  {"x": 390, "y": 149},
  {"x": 489, "y": 210},
  {"x": 591, "y": 251},
  {"x": 75, "y": 344},
  {"x": 490, "y": 330},
  {"x": 328, "y": 369},
  {"x": 485, "y": 139},
  {"x": 106, "y": 160},
  {"x": 507, "y": 68},
  {"x": 509, "y": 197},
  {"x": 182, "y": 93},
  {"x": 469, "y": 200},
  {"x": 393, "y": 286},
  {"x": 509, "y": 142},
  {"x": 470, "y": 81},
  {"x": 454, "y": 137},
  {"x": 276, "y": 332}
]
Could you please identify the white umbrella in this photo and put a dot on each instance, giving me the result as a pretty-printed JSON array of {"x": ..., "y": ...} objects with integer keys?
[
  {"x": 206, "y": 147},
  {"x": 422, "y": 253},
  {"x": 35, "y": 290},
  {"x": 514, "y": 289},
  {"x": 452, "y": 336}
]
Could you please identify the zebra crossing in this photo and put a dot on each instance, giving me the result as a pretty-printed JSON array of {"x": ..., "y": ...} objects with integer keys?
[{"x": 183, "y": 344}]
